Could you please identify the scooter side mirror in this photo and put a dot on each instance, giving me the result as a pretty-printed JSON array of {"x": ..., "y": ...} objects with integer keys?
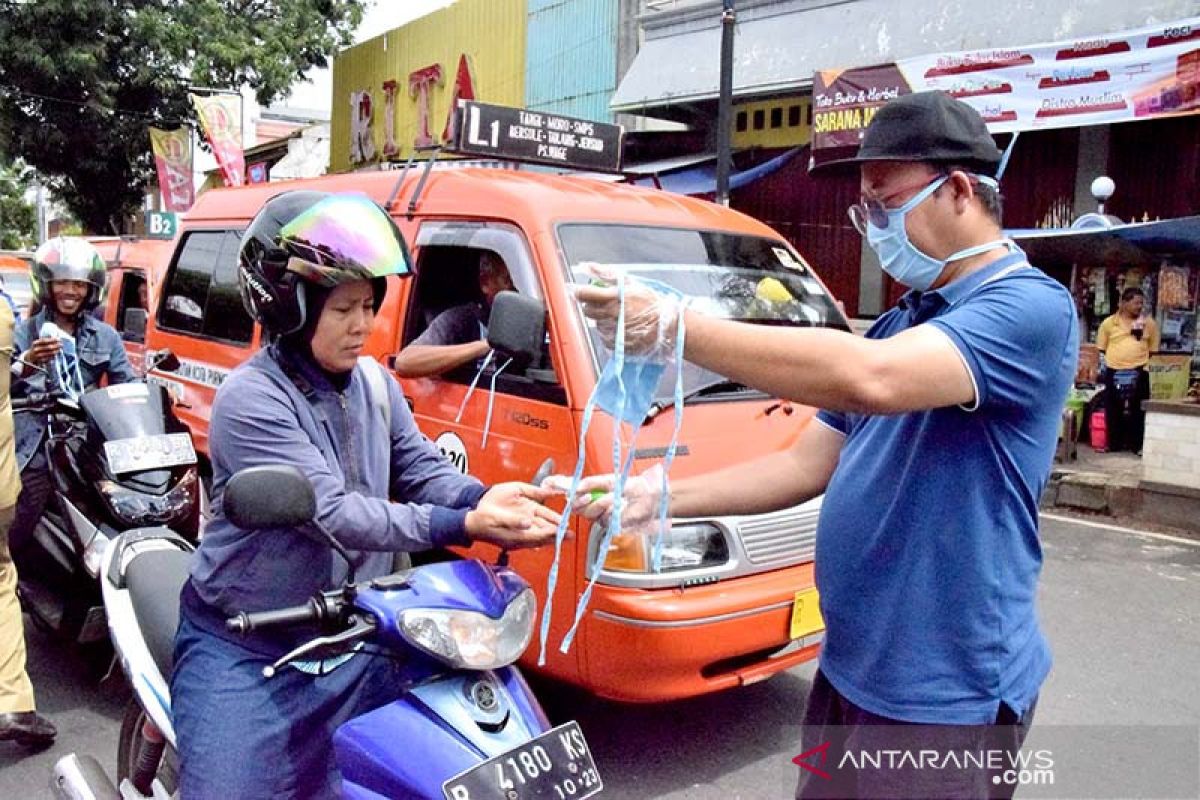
[
  {"x": 164, "y": 360},
  {"x": 269, "y": 497}
]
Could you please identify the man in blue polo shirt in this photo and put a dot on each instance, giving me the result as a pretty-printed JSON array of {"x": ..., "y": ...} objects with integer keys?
[{"x": 935, "y": 441}]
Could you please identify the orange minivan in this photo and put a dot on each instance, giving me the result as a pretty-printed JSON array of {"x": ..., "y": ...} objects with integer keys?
[{"x": 733, "y": 601}]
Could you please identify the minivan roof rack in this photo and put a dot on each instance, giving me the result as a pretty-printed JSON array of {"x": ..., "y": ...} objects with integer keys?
[{"x": 433, "y": 151}]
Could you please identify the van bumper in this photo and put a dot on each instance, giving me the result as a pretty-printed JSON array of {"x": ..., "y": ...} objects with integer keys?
[{"x": 664, "y": 644}]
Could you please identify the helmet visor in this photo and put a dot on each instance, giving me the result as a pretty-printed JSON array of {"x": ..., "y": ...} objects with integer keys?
[{"x": 344, "y": 237}]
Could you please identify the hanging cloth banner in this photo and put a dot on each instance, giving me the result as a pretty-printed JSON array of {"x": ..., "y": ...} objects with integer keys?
[
  {"x": 173, "y": 157},
  {"x": 1148, "y": 73},
  {"x": 221, "y": 119}
]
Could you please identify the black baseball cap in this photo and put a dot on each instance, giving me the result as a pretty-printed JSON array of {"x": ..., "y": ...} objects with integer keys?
[{"x": 929, "y": 126}]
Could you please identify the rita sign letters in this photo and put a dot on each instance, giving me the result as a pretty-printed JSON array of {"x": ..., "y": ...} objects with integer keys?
[{"x": 502, "y": 132}]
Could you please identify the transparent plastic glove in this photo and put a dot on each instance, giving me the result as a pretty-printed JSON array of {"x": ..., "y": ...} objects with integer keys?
[
  {"x": 651, "y": 318},
  {"x": 640, "y": 511}
]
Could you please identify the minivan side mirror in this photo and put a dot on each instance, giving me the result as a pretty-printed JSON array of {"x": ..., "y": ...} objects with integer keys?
[
  {"x": 517, "y": 328},
  {"x": 273, "y": 496},
  {"x": 134, "y": 324}
]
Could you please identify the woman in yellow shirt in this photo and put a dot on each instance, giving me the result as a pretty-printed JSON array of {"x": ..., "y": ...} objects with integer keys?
[{"x": 1126, "y": 340}]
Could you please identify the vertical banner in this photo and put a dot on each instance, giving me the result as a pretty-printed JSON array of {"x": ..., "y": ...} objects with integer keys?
[
  {"x": 221, "y": 118},
  {"x": 173, "y": 157}
]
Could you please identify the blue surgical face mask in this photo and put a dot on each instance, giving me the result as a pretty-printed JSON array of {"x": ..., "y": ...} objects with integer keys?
[
  {"x": 625, "y": 391},
  {"x": 899, "y": 257},
  {"x": 627, "y": 384},
  {"x": 63, "y": 369}
]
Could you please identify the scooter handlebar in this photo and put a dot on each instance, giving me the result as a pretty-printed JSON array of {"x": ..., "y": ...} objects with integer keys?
[
  {"x": 33, "y": 401},
  {"x": 245, "y": 622}
]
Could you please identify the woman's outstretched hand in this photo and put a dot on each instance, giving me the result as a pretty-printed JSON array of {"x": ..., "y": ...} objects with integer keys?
[{"x": 513, "y": 515}]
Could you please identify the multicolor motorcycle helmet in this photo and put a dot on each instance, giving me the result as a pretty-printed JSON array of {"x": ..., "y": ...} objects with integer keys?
[
  {"x": 306, "y": 237},
  {"x": 68, "y": 258}
]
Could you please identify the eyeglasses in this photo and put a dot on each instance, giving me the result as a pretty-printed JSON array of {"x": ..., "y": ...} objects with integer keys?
[
  {"x": 870, "y": 209},
  {"x": 873, "y": 210}
]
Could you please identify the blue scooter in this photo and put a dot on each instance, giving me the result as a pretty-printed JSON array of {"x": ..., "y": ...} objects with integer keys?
[{"x": 470, "y": 726}]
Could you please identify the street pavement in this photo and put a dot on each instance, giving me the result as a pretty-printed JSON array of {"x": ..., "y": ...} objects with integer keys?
[{"x": 1121, "y": 610}]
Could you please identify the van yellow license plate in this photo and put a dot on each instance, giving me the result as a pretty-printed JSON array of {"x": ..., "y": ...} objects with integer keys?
[{"x": 806, "y": 614}]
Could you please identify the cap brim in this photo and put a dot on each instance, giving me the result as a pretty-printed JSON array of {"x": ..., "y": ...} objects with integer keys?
[{"x": 845, "y": 163}]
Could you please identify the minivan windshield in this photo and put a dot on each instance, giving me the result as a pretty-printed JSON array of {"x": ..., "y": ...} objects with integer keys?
[{"x": 746, "y": 278}]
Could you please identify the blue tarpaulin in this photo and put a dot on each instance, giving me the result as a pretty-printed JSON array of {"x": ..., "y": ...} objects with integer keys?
[
  {"x": 701, "y": 179},
  {"x": 1139, "y": 243}
]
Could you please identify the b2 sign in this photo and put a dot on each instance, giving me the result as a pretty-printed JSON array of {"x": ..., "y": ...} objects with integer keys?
[{"x": 161, "y": 224}]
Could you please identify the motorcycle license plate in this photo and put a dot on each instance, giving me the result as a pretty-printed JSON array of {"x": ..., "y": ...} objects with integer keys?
[
  {"x": 555, "y": 766},
  {"x": 149, "y": 452}
]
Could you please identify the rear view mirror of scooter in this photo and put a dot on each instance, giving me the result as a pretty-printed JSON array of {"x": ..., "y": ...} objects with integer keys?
[
  {"x": 277, "y": 496},
  {"x": 269, "y": 497},
  {"x": 163, "y": 360}
]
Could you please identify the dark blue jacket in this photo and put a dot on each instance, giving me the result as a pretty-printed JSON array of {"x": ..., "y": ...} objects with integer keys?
[
  {"x": 101, "y": 352},
  {"x": 278, "y": 408}
]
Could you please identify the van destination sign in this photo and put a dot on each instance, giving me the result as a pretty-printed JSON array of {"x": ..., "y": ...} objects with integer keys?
[{"x": 521, "y": 135}]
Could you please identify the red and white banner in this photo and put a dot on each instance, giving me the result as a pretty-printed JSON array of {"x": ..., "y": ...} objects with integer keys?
[
  {"x": 173, "y": 157},
  {"x": 1143, "y": 74},
  {"x": 221, "y": 118}
]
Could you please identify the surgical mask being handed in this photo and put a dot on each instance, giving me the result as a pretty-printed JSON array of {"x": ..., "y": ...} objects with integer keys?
[{"x": 899, "y": 257}]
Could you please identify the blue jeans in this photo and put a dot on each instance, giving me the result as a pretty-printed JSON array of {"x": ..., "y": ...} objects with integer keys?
[{"x": 243, "y": 736}]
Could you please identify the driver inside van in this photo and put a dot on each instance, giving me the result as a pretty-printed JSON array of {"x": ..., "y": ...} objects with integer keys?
[{"x": 458, "y": 335}]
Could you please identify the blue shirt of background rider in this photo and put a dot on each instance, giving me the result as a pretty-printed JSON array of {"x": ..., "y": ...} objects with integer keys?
[
  {"x": 101, "y": 353},
  {"x": 948, "y": 498}
]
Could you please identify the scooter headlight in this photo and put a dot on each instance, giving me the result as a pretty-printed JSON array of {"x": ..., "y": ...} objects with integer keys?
[{"x": 470, "y": 640}]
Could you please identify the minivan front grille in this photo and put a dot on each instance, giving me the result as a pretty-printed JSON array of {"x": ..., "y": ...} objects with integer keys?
[{"x": 782, "y": 538}]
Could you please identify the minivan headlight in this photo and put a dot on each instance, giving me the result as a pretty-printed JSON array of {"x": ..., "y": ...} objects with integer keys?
[
  {"x": 468, "y": 639},
  {"x": 686, "y": 545}
]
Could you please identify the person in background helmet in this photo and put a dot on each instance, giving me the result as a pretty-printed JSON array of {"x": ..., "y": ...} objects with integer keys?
[
  {"x": 313, "y": 271},
  {"x": 68, "y": 279}
]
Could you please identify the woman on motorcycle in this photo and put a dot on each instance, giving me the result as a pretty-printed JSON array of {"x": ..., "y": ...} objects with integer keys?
[{"x": 313, "y": 271}]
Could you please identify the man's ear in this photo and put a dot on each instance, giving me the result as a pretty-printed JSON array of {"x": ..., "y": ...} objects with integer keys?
[{"x": 964, "y": 190}]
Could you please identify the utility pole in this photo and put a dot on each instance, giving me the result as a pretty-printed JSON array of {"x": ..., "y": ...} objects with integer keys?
[
  {"x": 43, "y": 224},
  {"x": 725, "y": 104}
]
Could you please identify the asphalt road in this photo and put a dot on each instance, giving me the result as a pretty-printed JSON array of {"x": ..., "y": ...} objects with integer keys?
[{"x": 1122, "y": 612}]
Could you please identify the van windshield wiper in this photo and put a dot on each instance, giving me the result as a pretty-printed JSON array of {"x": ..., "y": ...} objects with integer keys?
[{"x": 718, "y": 386}]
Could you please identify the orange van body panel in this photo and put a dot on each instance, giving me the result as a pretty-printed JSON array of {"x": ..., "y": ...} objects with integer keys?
[
  {"x": 145, "y": 257},
  {"x": 699, "y": 639}
]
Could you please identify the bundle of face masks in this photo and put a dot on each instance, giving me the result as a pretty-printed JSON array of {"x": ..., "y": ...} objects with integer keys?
[
  {"x": 626, "y": 392},
  {"x": 63, "y": 369}
]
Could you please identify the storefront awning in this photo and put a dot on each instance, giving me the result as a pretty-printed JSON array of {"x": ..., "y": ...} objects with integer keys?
[
  {"x": 771, "y": 55},
  {"x": 1137, "y": 244}
]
